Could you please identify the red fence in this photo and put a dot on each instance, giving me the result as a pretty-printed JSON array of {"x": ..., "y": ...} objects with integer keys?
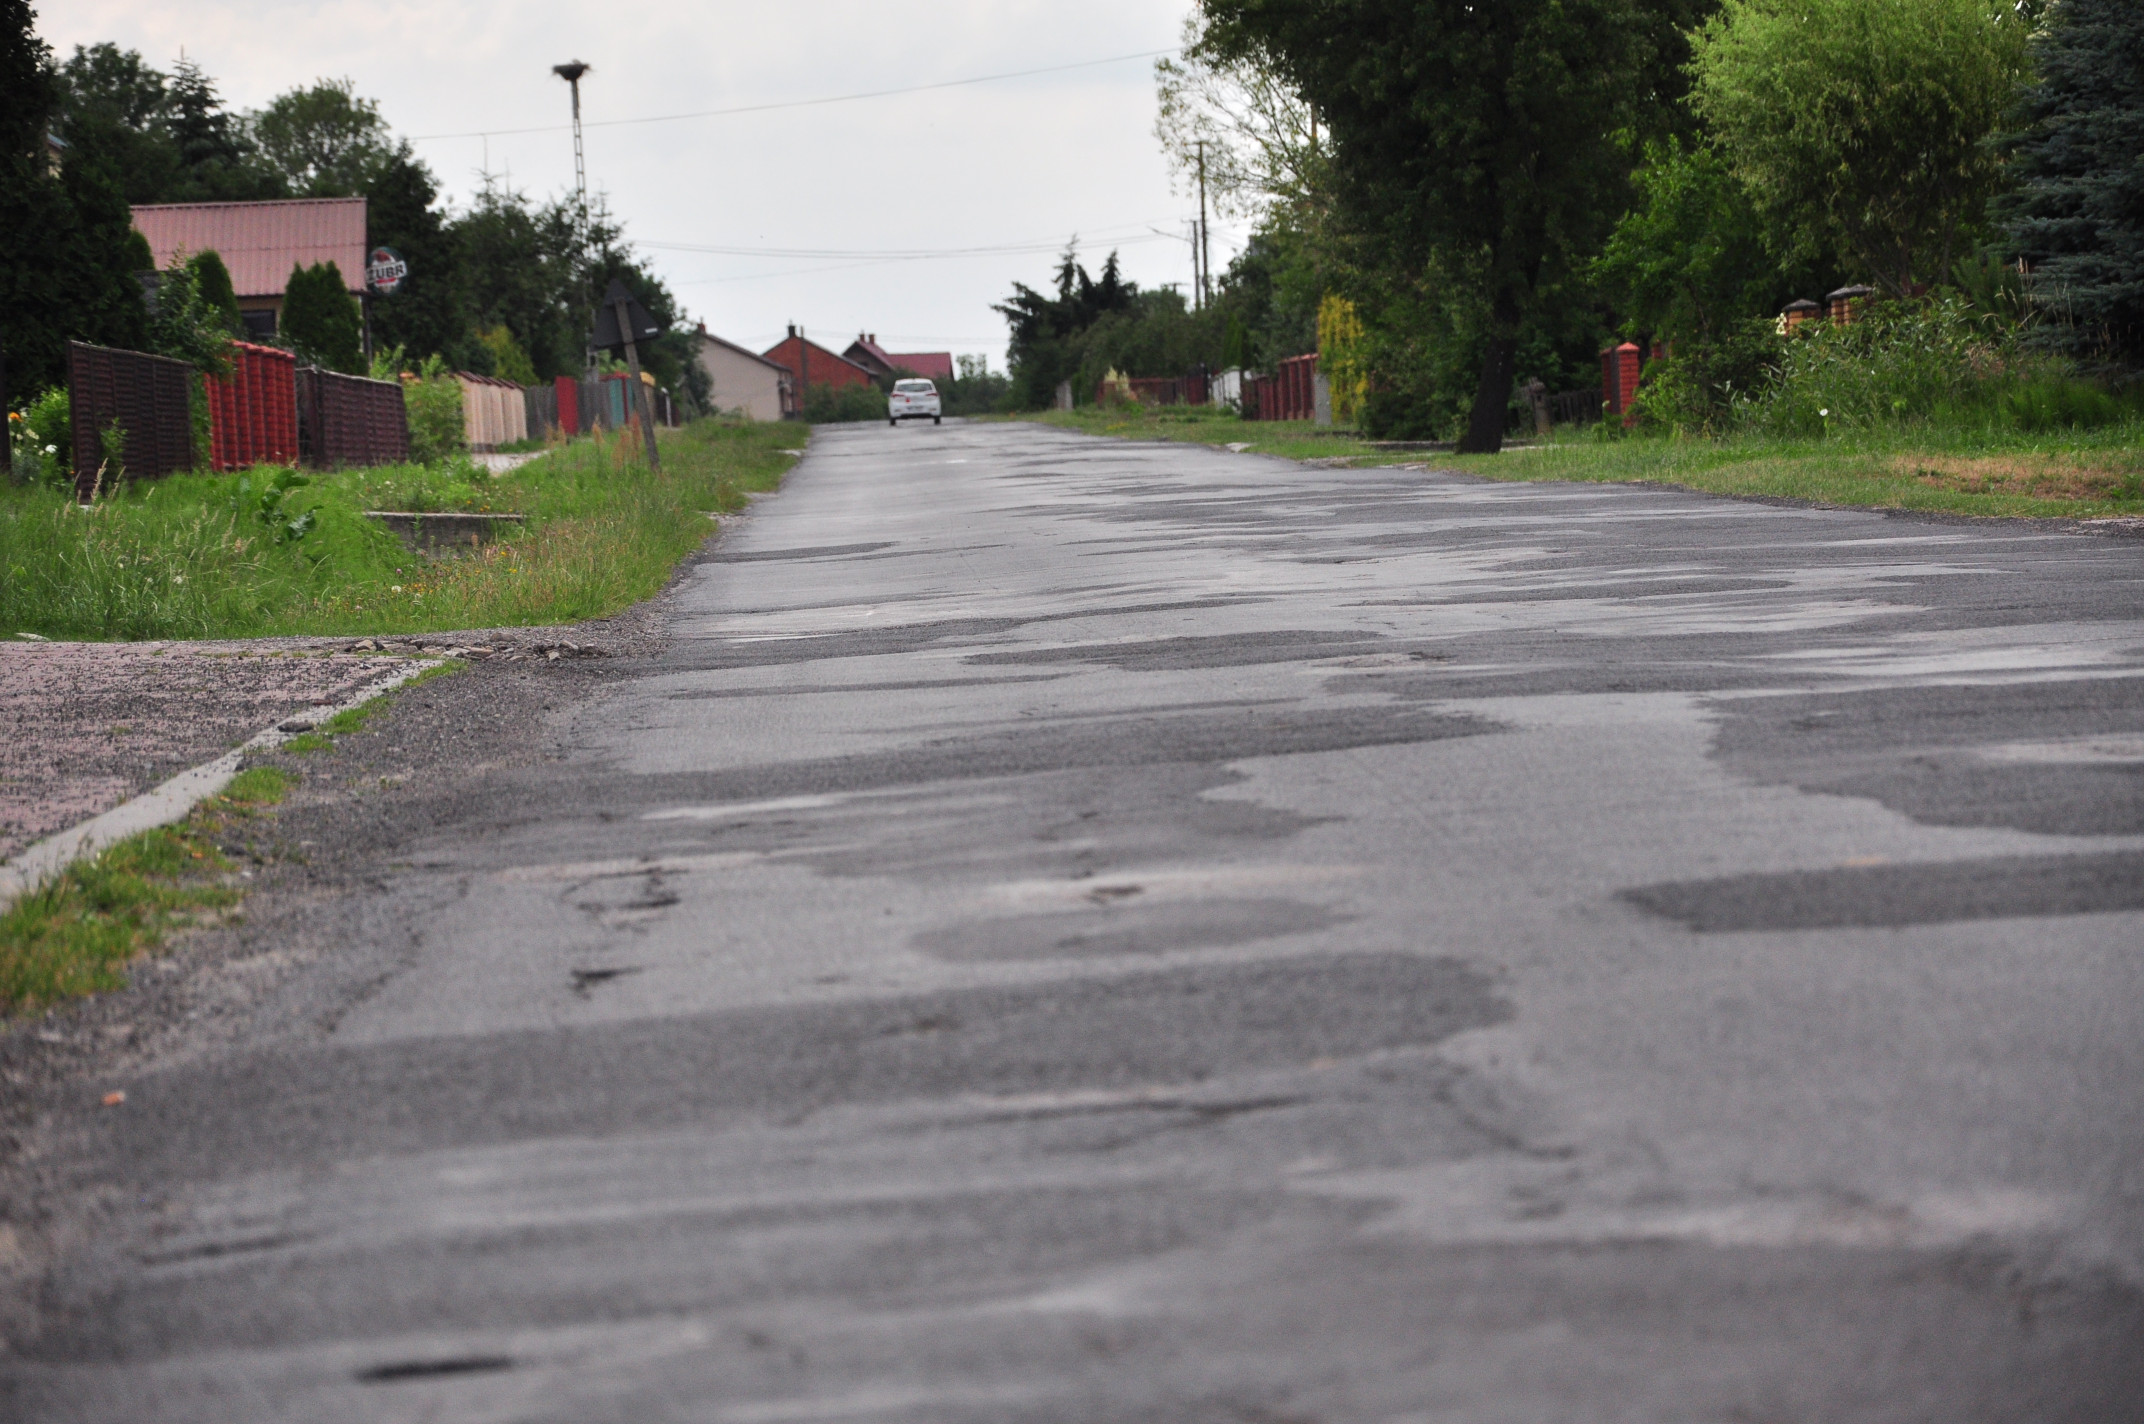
[
  {"x": 348, "y": 420},
  {"x": 567, "y": 391},
  {"x": 253, "y": 412},
  {"x": 1288, "y": 394},
  {"x": 146, "y": 395}
]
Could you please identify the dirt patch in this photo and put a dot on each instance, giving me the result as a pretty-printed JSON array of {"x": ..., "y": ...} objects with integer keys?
[{"x": 2102, "y": 475}]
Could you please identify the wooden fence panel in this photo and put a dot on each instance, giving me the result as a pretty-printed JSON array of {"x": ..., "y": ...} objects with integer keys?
[
  {"x": 147, "y": 395},
  {"x": 350, "y": 420}
]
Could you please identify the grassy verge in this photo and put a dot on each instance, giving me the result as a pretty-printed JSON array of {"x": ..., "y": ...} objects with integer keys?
[
  {"x": 76, "y": 933},
  {"x": 253, "y": 553},
  {"x": 1985, "y": 472}
]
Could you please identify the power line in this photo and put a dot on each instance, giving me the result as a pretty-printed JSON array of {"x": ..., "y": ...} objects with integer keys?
[
  {"x": 898, "y": 254},
  {"x": 806, "y": 103}
]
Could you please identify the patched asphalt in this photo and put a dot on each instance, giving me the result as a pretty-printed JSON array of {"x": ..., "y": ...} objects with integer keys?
[{"x": 1032, "y": 928}]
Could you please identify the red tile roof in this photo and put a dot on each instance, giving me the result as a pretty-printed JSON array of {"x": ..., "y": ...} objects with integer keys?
[
  {"x": 938, "y": 365},
  {"x": 261, "y": 242}
]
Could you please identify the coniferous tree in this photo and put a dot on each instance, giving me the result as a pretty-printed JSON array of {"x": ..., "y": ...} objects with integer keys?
[
  {"x": 320, "y": 318},
  {"x": 69, "y": 256},
  {"x": 213, "y": 281},
  {"x": 2078, "y": 214}
]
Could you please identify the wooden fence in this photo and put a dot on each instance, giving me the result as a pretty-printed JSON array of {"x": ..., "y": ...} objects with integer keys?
[
  {"x": 146, "y": 396},
  {"x": 349, "y": 420}
]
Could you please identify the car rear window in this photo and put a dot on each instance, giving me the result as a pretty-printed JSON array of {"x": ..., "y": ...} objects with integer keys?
[{"x": 915, "y": 388}]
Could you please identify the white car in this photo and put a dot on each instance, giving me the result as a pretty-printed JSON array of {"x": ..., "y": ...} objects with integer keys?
[{"x": 912, "y": 400}]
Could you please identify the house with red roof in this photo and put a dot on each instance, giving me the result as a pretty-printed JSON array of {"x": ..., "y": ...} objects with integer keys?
[
  {"x": 260, "y": 243},
  {"x": 811, "y": 364},
  {"x": 867, "y": 353}
]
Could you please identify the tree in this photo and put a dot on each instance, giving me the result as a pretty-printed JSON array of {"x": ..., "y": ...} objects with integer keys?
[
  {"x": 29, "y": 91},
  {"x": 212, "y": 282},
  {"x": 1694, "y": 256},
  {"x": 1044, "y": 349},
  {"x": 320, "y": 318},
  {"x": 1493, "y": 139},
  {"x": 1255, "y": 138},
  {"x": 426, "y": 316},
  {"x": 68, "y": 252},
  {"x": 111, "y": 109},
  {"x": 2078, "y": 215},
  {"x": 325, "y": 141},
  {"x": 1864, "y": 127},
  {"x": 217, "y": 161}
]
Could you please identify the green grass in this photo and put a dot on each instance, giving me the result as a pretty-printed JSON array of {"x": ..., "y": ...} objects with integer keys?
[
  {"x": 76, "y": 933},
  {"x": 359, "y": 718},
  {"x": 208, "y": 556},
  {"x": 1969, "y": 470}
]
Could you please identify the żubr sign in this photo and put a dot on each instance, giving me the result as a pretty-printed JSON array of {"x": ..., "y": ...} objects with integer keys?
[{"x": 385, "y": 272}]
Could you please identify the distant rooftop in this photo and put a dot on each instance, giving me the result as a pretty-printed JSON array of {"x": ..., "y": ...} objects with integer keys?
[{"x": 261, "y": 242}]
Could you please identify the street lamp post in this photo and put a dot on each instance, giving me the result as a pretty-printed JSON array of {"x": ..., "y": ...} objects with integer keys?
[{"x": 571, "y": 72}]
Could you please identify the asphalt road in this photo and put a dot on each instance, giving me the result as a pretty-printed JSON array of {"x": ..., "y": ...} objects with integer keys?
[{"x": 1078, "y": 931}]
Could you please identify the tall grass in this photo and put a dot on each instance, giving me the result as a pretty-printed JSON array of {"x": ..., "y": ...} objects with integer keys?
[{"x": 219, "y": 556}]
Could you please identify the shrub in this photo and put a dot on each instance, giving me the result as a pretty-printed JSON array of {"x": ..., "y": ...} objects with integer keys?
[
  {"x": 2055, "y": 400},
  {"x": 827, "y": 404},
  {"x": 213, "y": 280},
  {"x": 1696, "y": 389},
  {"x": 508, "y": 360},
  {"x": 320, "y": 321},
  {"x": 41, "y": 440},
  {"x": 434, "y": 401},
  {"x": 1897, "y": 360}
]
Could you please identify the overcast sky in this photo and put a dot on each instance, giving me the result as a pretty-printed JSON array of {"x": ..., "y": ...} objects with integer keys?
[{"x": 1017, "y": 162}]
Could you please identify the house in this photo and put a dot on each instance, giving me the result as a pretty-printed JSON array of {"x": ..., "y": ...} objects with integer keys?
[
  {"x": 819, "y": 367},
  {"x": 742, "y": 380},
  {"x": 867, "y": 353},
  {"x": 260, "y": 243}
]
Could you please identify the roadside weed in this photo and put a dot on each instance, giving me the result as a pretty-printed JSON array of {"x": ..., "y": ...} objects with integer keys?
[{"x": 76, "y": 933}]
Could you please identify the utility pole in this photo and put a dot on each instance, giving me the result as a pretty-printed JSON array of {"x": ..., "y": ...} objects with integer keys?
[
  {"x": 643, "y": 405},
  {"x": 1205, "y": 252},
  {"x": 803, "y": 372},
  {"x": 571, "y": 72}
]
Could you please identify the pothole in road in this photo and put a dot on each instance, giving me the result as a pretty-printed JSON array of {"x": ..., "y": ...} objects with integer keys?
[
  {"x": 586, "y": 980},
  {"x": 404, "y": 1371}
]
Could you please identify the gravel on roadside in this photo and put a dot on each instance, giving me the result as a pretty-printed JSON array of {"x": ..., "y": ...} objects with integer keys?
[{"x": 351, "y": 809}]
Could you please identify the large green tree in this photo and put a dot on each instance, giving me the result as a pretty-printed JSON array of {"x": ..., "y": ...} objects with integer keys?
[
  {"x": 2078, "y": 215},
  {"x": 402, "y": 211},
  {"x": 325, "y": 141},
  {"x": 165, "y": 138},
  {"x": 1047, "y": 331},
  {"x": 1864, "y": 125},
  {"x": 1694, "y": 256},
  {"x": 1492, "y": 140},
  {"x": 69, "y": 256}
]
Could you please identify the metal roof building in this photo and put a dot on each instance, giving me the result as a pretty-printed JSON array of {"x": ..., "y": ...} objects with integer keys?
[{"x": 261, "y": 242}]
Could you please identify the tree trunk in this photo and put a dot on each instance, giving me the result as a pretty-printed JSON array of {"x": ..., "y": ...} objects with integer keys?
[{"x": 1485, "y": 424}]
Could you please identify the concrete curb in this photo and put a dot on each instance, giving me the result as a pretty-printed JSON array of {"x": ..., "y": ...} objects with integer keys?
[{"x": 169, "y": 803}]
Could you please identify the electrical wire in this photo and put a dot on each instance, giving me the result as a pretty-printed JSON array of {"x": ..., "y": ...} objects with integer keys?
[{"x": 803, "y": 103}]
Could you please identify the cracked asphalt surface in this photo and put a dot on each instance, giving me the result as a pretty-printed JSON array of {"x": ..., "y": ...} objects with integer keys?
[{"x": 1045, "y": 929}]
